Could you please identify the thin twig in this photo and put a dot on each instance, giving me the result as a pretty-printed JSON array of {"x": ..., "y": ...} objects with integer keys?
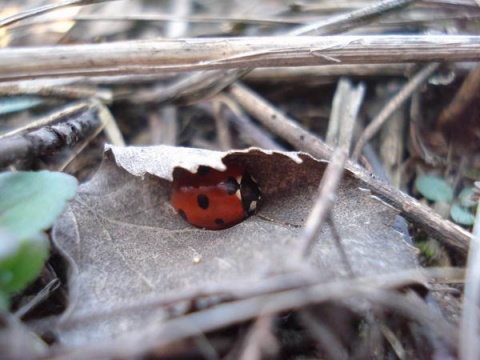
[
  {"x": 323, "y": 203},
  {"x": 345, "y": 107},
  {"x": 45, "y": 9},
  {"x": 393, "y": 340},
  {"x": 421, "y": 215},
  {"x": 338, "y": 243},
  {"x": 393, "y": 105},
  {"x": 278, "y": 123},
  {"x": 180, "y": 9},
  {"x": 112, "y": 130},
  {"x": 414, "y": 308},
  {"x": 54, "y": 91},
  {"x": 345, "y": 22},
  {"x": 79, "y": 148},
  {"x": 335, "y": 122},
  {"x": 190, "y": 88},
  {"x": 39, "y": 297},
  {"x": 332, "y": 72},
  {"x": 222, "y": 127},
  {"x": 250, "y": 20},
  {"x": 164, "y": 125},
  {"x": 261, "y": 342},
  {"x": 251, "y": 133},
  {"x": 323, "y": 335}
]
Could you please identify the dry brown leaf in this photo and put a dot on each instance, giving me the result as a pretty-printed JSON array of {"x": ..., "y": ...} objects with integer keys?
[{"x": 124, "y": 241}]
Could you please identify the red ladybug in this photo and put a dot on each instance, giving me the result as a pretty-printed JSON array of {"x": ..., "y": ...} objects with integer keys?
[{"x": 213, "y": 199}]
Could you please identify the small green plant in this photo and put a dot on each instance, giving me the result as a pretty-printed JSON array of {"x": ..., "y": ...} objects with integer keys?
[
  {"x": 30, "y": 202},
  {"x": 436, "y": 189}
]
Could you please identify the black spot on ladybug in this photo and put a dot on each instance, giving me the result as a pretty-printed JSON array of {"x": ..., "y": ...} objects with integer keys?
[
  {"x": 203, "y": 201},
  {"x": 203, "y": 170},
  {"x": 231, "y": 185},
  {"x": 219, "y": 222},
  {"x": 182, "y": 214}
]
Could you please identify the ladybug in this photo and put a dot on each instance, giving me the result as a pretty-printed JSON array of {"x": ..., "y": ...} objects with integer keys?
[{"x": 212, "y": 199}]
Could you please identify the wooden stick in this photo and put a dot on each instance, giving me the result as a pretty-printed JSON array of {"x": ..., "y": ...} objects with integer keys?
[
  {"x": 137, "y": 57},
  {"x": 50, "y": 139}
]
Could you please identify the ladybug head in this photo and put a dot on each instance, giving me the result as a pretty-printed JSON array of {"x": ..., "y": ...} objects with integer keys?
[{"x": 250, "y": 193}]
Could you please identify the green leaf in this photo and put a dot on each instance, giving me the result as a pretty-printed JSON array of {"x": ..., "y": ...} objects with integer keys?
[
  {"x": 20, "y": 267},
  {"x": 461, "y": 215},
  {"x": 434, "y": 188},
  {"x": 4, "y": 301},
  {"x": 465, "y": 197},
  {"x": 30, "y": 202}
]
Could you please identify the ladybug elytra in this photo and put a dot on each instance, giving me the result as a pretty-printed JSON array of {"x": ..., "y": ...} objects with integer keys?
[{"x": 213, "y": 199}]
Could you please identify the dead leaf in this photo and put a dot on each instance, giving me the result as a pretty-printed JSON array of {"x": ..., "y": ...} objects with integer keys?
[{"x": 124, "y": 241}]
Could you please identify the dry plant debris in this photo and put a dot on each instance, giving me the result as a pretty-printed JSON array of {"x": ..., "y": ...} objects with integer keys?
[
  {"x": 125, "y": 95},
  {"x": 129, "y": 199}
]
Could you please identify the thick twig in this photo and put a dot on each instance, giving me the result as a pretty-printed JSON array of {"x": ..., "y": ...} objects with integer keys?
[
  {"x": 421, "y": 215},
  {"x": 220, "y": 53},
  {"x": 393, "y": 105},
  {"x": 50, "y": 119},
  {"x": 50, "y": 139}
]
